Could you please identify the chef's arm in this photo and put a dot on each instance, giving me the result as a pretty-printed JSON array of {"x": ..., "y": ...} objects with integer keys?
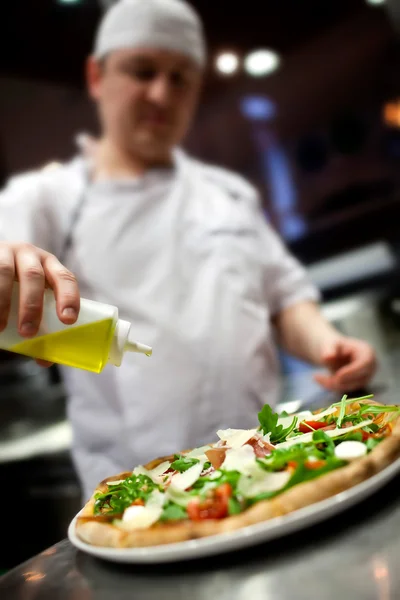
[
  {"x": 305, "y": 333},
  {"x": 302, "y": 331}
]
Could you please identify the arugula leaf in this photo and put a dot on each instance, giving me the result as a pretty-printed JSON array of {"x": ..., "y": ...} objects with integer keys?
[
  {"x": 372, "y": 428},
  {"x": 342, "y": 410},
  {"x": 280, "y": 457},
  {"x": 372, "y": 442},
  {"x": 268, "y": 420},
  {"x": 373, "y": 409},
  {"x": 295, "y": 434},
  {"x": 353, "y": 419},
  {"x": 234, "y": 506},
  {"x": 231, "y": 477},
  {"x": 350, "y": 400},
  {"x": 353, "y": 436},
  {"x": 302, "y": 474},
  {"x": 119, "y": 497},
  {"x": 173, "y": 512},
  {"x": 320, "y": 437},
  {"x": 182, "y": 463},
  {"x": 330, "y": 419},
  {"x": 283, "y": 414}
]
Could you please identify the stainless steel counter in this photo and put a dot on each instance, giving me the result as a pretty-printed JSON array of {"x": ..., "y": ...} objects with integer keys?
[{"x": 353, "y": 557}]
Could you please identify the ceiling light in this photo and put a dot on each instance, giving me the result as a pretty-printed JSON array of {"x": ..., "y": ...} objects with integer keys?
[
  {"x": 227, "y": 63},
  {"x": 375, "y": 2},
  {"x": 261, "y": 63}
]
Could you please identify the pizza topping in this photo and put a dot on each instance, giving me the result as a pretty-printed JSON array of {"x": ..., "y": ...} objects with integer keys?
[
  {"x": 119, "y": 497},
  {"x": 314, "y": 463},
  {"x": 239, "y": 460},
  {"x": 374, "y": 409},
  {"x": 333, "y": 433},
  {"x": 142, "y": 517},
  {"x": 199, "y": 453},
  {"x": 214, "y": 506},
  {"x": 178, "y": 496},
  {"x": 208, "y": 469},
  {"x": 350, "y": 450},
  {"x": 235, "y": 438},
  {"x": 307, "y": 426},
  {"x": 216, "y": 456},
  {"x": 156, "y": 474},
  {"x": 285, "y": 420},
  {"x": 321, "y": 415},
  {"x": 246, "y": 466},
  {"x": 372, "y": 442},
  {"x": 183, "y": 463},
  {"x": 173, "y": 512},
  {"x": 116, "y": 482},
  {"x": 269, "y": 424},
  {"x": 261, "y": 482},
  {"x": 186, "y": 479},
  {"x": 342, "y": 411},
  {"x": 260, "y": 446}
]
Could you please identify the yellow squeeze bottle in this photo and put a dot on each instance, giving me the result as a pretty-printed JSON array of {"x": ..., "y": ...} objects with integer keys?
[{"x": 98, "y": 337}]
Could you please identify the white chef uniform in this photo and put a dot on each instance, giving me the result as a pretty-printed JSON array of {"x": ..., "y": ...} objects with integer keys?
[{"x": 187, "y": 256}]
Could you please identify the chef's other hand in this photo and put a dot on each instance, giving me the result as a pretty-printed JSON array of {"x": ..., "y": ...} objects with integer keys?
[
  {"x": 351, "y": 363},
  {"x": 35, "y": 269}
]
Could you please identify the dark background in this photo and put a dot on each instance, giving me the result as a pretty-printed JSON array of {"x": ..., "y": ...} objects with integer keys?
[{"x": 340, "y": 67}]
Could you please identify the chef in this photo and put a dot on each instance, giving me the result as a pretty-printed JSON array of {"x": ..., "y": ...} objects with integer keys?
[{"x": 181, "y": 247}]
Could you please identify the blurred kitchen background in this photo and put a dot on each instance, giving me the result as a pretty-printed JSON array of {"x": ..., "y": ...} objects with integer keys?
[{"x": 303, "y": 98}]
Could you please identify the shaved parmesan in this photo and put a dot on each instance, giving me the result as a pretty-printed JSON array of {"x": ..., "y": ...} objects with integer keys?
[
  {"x": 178, "y": 496},
  {"x": 235, "y": 438},
  {"x": 184, "y": 480},
  {"x": 301, "y": 416},
  {"x": 198, "y": 452},
  {"x": 267, "y": 438},
  {"x": 262, "y": 482},
  {"x": 154, "y": 474},
  {"x": 325, "y": 413},
  {"x": 142, "y": 517},
  {"x": 239, "y": 459},
  {"x": 160, "y": 469},
  {"x": 109, "y": 483},
  {"x": 333, "y": 433}
]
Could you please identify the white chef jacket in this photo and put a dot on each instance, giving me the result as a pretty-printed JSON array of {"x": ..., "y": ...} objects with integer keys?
[{"x": 187, "y": 257}]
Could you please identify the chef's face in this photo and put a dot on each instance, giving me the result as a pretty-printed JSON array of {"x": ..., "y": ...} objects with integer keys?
[{"x": 146, "y": 99}]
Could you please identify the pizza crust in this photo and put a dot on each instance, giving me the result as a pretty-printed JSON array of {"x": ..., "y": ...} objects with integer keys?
[{"x": 104, "y": 534}]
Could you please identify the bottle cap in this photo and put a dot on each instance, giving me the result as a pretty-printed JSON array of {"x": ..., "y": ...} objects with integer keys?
[{"x": 123, "y": 342}]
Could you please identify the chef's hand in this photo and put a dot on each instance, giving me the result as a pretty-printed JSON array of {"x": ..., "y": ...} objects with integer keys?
[
  {"x": 351, "y": 363},
  {"x": 35, "y": 269}
]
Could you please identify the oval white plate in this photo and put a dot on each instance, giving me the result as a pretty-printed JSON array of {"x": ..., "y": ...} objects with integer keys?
[{"x": 242, "y": 538}]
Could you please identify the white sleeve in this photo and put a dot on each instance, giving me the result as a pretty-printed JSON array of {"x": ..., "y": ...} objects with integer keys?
[
  {"x": 286, "y": 281},
  {"x": 28, "y": 214}
]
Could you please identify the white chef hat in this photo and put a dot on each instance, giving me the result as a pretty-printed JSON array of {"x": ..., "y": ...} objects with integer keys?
[{"x": 168, "y": 24}]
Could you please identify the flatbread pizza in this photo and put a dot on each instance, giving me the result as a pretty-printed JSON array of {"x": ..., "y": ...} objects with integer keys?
[{"x": 245, "y": 477}]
